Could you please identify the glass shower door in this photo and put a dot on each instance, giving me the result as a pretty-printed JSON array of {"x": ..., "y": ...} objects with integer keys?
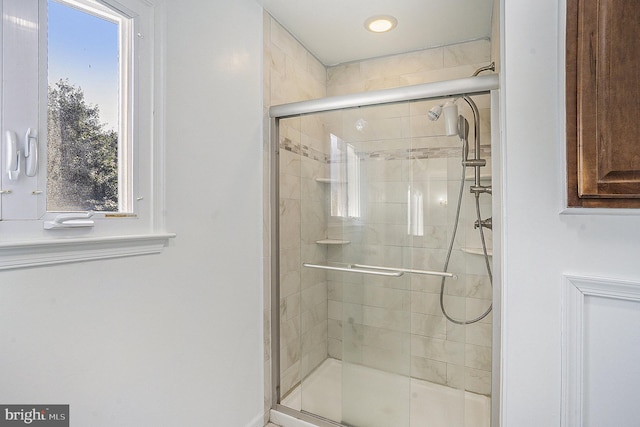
[
  {"x": 369, "y": 307},
  {"x": 368, "y": 198}
]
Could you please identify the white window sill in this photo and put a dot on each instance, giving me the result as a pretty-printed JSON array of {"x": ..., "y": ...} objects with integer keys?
[{"x": 34, "y": 253}]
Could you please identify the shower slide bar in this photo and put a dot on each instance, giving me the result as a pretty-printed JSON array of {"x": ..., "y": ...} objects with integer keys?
[{"x": 378, "y": 270}]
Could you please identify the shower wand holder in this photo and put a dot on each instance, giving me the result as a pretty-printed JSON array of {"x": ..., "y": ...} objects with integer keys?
[
  {"x": 477, "y": 189},
  {"x": 472, "y": 163}
]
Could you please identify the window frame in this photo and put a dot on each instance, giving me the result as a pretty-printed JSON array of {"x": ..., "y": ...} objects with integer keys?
[
  {"x": 25, "y": 243},
  {"x": 126, "y": 115}
]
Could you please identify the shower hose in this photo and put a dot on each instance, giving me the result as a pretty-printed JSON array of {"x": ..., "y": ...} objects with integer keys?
[{"x": 453, "y": 238}]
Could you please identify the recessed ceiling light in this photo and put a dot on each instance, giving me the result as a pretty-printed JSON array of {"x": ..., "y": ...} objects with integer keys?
[{"x": 380, "y": 23}]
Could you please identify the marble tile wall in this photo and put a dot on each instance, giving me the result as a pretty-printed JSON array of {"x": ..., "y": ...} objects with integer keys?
[
  {"x": 292, "y": 74},
  {"x": 303, "y": 221},
  {"x": 429, "y": 65}
]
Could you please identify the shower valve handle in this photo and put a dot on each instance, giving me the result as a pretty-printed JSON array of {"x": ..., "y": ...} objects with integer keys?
[{"x": 486, "y": 223}]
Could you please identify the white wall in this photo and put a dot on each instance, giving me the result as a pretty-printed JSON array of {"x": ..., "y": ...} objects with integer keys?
[
  {"x": 540, "y": 244},
  {"x": 164, "y": 340}
]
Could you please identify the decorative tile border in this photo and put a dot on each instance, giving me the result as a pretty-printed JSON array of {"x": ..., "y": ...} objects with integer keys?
[{"x": 303, "y": 150}]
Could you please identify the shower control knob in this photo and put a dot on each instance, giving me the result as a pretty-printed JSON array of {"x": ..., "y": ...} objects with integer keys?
[{"x": 486, "y": 223}]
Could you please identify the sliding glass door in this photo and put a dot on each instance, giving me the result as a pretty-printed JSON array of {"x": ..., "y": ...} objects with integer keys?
[{"x": 368, "y": 199}]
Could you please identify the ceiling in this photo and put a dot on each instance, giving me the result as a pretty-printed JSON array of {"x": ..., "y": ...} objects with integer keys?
[{"x": 333, "y": 30}]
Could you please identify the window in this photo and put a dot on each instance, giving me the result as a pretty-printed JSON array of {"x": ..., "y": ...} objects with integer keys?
[
  {"x": 87, "y": 165},
  {"x": 345, "y": 179},
  {"x": 78, "y": 130}
]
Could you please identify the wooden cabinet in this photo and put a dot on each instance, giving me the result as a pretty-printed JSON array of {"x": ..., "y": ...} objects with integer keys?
[{"x": 603, "y": 103}]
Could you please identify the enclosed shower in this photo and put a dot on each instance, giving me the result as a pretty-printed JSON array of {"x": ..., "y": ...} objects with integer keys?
[{"x": 381, "y": 285}]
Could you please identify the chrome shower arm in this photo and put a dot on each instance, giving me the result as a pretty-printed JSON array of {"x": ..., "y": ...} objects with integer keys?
[{"x": 490, "y": 67}]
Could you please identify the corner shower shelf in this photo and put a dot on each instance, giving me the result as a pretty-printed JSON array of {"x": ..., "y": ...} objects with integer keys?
[
  {"x": 329, "y": 181},
  {"x": 333, "y": 242},
  {"x": 476, "y": 251},
  {"x": 483, "y": 177}
]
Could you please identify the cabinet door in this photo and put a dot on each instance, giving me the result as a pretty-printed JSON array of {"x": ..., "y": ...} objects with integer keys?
[{"x": 603, "y": 103}]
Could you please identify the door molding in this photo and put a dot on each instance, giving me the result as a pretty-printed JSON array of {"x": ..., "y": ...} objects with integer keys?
[{"x": 576, "y": 289}]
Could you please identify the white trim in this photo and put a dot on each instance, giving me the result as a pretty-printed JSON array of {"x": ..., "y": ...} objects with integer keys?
[
  {"x": 594, "y": 211},
  {"x": 575, "y": 290},
  {"x": 93, "y": 7},
  {"x": 58, "y": 251}
]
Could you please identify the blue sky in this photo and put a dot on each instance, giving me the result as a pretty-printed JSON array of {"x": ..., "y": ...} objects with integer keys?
[{"x": 84, "y": 49}]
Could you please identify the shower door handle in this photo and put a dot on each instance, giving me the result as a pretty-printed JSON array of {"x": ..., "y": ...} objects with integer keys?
[
  {"x": 379, "y": 270},
  {"x": 408, "y": 270},
  {"x": 350, "y": 269}
]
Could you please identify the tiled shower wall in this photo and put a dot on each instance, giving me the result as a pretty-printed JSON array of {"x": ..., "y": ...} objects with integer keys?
[
  {"x": 303, "y": 222},
  {"x": 292, "y": 74},
  {"x": 425, "y": 66},
  {"x": 310, "y": 332}
]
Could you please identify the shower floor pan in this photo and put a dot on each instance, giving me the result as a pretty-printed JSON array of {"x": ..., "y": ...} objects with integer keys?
[{"x": 432, "y": 405}]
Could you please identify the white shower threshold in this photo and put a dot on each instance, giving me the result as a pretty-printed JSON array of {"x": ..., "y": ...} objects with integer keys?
[{"x": 432, "y": 405}]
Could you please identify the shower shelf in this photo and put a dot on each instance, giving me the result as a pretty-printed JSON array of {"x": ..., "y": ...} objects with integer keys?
[
  {"x": 329, "y": 181},
  {"x": 476, "y": 251},
  {"x": 333, "y": 242}
]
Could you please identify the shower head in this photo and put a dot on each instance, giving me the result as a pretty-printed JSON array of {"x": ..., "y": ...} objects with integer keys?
[
  {"x": 434, "y": 113},
  {"x": 450, "y": 110}
]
